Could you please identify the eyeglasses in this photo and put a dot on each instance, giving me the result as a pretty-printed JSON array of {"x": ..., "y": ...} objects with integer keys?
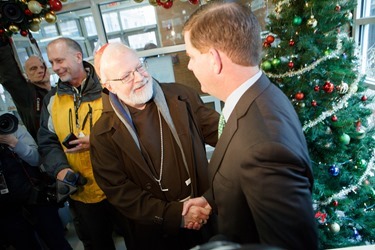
[{"x": 129, "y": 77}]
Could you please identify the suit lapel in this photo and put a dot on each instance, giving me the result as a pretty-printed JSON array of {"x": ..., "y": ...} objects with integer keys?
[{"x": 231, "y": 126}]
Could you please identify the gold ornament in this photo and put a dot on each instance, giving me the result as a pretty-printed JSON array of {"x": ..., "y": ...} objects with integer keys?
[
  {"x": 153, "y": 2},
  {"x": 164, "y": 1},
  {"x": 64, "y": 1},
  {"x": 312, "y": 22},
  {"x": 35, "y": 7},
  {"x": 138, "y": 1},
  {"x": 14, "y": 28},
  {"x": 50, "y": 17},
  {"x": 37, "y": 20},
  {"x": 23, "y": 1},
  {"x": 34, "y": 26}
]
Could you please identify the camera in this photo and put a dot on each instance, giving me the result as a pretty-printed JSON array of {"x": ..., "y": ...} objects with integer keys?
[
  {"x": 69, "y": 185},
  {"x": 8, "y": 124}
]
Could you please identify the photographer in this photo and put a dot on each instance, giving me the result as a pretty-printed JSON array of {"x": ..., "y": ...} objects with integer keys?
[{"x": 23, "y": 218}]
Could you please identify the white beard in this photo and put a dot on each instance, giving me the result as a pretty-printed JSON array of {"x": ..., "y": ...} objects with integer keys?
[{"x": 141, "y": 97}]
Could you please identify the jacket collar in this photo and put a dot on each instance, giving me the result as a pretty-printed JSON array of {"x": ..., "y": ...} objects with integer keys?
[
  {"x": 232, "y": 124},
  {"x": 91, "y": 90},
  {"x": 123, "y": 114}
]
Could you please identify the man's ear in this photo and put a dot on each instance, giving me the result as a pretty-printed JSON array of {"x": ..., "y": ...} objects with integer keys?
[
  {"x": 79, "y": 57},
  {"x": 109, "y": 87},
  {"x": 216, "y": 60}
]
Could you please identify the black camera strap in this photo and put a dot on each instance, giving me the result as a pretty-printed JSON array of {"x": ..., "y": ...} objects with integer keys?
[{"x": 70, "y": 121}]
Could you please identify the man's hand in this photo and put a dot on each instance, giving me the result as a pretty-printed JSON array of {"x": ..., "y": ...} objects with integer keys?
[
  {"x": 196, "y": 213},
  {"x": 9, "y": 140},
  {"x": 82, "y": 144},
  {"x": 61, "y": 175}
]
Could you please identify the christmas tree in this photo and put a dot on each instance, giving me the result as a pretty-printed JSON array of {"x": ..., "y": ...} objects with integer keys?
[{"x": 310, "y": 55}]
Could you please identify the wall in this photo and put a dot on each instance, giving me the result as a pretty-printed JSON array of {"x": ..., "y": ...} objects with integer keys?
[{"x": 170, "y": 21}]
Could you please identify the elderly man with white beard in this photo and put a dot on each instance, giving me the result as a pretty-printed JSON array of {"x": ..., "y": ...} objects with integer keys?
[{"x": 148, "y": 151}]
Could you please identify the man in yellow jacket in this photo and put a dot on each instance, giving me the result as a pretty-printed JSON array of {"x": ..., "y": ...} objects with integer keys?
[{"x": 69, "y": 111}]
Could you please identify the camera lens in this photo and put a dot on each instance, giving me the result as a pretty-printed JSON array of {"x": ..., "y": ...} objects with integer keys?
[{"x": 8, "y": 124}]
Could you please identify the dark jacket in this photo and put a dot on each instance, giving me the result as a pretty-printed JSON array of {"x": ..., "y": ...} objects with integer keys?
[
  {"x": 123, "y": 174},
  {"x": 261, "y": 174}
]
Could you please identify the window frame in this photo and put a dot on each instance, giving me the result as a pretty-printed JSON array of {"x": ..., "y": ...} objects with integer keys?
[{"x": 361, "y": 39}]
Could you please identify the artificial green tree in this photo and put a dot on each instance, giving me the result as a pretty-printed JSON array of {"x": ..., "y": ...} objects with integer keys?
[{"x": 310, "y": 54}]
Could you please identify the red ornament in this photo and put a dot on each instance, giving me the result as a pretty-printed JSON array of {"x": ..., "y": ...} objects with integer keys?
[
  {"x": 299, "y": 96},
  {"x": 337, "y": 8},
  {"x": 23, "y": 32},
  {"x": 159, "y": 2},
  {"x": 322, "y": 217},
  {"x": 28, "y": 12},
  {"x": 358, "y": 125},
  {"x": 316, "y": 88},
  {"x": 364, "y": 98},
  {"x": 270, "y": 39},
  {"x": 291, "y": 64},
  {"x": 2, "y": 31},
  {"x": 328, "y": 87},
  {"x": 291, "y": 42},
  {"x": 194, "y": 1},
  {"x": 168, "y": 4},
  {"x": 266, "y": 44},
  {"x": 314, "y": 103},
  {"x": 335, "y": 203},
  {"x": 334, "y": 118},
  {"x": 56, "y": 5}
]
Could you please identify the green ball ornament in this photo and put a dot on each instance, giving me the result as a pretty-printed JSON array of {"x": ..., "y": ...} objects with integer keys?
[
  {"x": 297, "y": 20},
  {"x": 266, "y": 65},
  {"x": 275, "y": 62},
  {"x": 344, "y": 139},
  {"x": 361, "y": 163}
]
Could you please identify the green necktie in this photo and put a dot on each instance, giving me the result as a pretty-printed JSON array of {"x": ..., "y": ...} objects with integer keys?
[{"x": 221, "y": 125}]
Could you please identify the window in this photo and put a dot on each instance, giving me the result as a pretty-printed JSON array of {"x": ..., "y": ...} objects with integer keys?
[
  {"x": 90, "y": 26},
  {"x": 365, "y": 36},
  {"x": 111, "y": 22},
  {"x": 134, "y": 25},
  {"x": 69, "y": 28}
]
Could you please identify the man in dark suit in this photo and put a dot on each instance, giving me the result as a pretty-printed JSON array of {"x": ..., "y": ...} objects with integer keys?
[
  {"x": 148, "y": 150},
  {"x": 260, "y": 172}
]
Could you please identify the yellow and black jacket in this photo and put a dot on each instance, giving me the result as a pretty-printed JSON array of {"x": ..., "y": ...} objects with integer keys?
[{"x": 67, "y": 109}]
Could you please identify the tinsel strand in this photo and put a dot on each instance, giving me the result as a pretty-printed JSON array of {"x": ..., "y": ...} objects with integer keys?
[{"x": 345, "y": 191}]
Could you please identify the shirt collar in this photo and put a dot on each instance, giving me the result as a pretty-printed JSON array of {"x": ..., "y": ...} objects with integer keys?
[{"x": 235, "y": 96}]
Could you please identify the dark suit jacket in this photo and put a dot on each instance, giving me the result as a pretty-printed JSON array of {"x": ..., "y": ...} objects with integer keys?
[
  {"x": 261, "y": 175},
  {"x": 122, "y": 173}
]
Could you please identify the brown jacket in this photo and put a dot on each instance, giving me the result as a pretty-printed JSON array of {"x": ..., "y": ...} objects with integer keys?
[{"x": 122, "y": 173}]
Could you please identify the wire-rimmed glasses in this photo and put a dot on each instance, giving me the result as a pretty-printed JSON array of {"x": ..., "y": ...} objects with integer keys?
[{"x": 129, "y": 77}]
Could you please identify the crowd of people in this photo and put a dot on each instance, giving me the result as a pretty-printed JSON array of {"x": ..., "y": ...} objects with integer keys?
[{"x": 134, "y": 148}]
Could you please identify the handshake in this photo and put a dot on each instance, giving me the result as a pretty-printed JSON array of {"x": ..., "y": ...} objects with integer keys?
[{"x": 195, "y": 213}]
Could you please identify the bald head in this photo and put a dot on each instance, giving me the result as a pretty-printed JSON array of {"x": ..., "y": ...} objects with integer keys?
[
  {"x": 115, "y": 57},
  {"x": 36, "y": 71},
  {"x": 98, "y": 57}
]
